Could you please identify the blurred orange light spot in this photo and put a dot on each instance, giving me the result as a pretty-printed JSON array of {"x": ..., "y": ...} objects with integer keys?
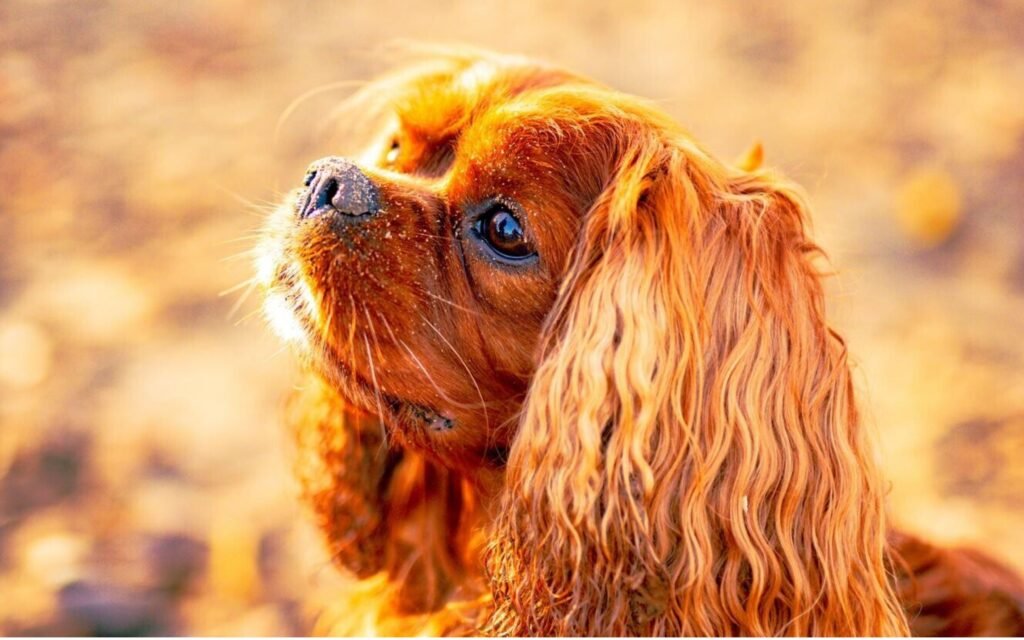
[
  {"x": 929, "y": 206},
  {"x": 234, "y": 557}
]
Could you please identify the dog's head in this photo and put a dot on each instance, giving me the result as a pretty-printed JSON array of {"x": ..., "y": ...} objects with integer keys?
[
  {"x": 533, "y": 273},
  {"x": 419, "y": 277}
]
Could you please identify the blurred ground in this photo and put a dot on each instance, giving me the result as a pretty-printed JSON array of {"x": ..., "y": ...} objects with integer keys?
[{"x": 144, "y": 482}]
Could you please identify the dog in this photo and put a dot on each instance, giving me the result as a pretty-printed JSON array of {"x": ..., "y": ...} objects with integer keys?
[{"x": 568, "y": 374}]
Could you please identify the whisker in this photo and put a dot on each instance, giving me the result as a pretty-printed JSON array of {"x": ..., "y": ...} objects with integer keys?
[
  {"x": 373, "y": 374},
  {"x": 328, "y": 330},
  {"x": 509, "y": 420},
  {"x": 241, "y": 321},
  {"x": 387, "y": 325},
  {"x": 373, "y": 331},
  {"x": 255, "y": 234},
  {"x": 453, "y": 304},
  {"x": 263, "y": 208},
  {"x": 360, "y": 109},
  {"x": 465, "y": 366},
  {"x": 352, "y": 338},
  {"x": 248, "y": 254},
  {"x": 428, "y": 236},
  {"x": 430, "y": 378},
  {"x": 245, "y": 283},
  {"x": 373, "y": 378},
  {"x": 253, "y": 282},
  {"x": 297, "y": 102},
  {"x": 279, "y": 351}
]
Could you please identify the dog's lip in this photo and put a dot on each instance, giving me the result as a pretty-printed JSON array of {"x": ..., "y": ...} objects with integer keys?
[{"x": 400, "y": 409}]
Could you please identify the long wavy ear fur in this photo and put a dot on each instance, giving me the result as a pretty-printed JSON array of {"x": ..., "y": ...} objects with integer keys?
[
  {"x": 386, "y": 513},
  {"x": 690, "y": 460}
]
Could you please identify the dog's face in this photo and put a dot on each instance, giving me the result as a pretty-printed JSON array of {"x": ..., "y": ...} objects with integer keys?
[{"x": 417, "y": 279}]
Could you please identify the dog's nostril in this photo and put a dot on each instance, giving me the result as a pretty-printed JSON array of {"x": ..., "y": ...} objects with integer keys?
[
  {"x": 310, "y": 175},
  {"x": 326, "y": 194}
]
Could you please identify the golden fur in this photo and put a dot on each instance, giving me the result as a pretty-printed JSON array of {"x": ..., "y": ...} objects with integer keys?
[{"x": 653, "y": 427}]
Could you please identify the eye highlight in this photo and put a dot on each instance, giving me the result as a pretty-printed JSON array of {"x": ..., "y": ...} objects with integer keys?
[{"x": 499, "y": 228}]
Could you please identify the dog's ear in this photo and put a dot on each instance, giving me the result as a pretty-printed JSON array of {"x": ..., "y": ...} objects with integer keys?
[
  {"x": 396, "y": 520},
  {"x": 689, "y": 460}
]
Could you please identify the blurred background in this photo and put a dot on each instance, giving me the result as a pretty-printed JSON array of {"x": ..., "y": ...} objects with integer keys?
[{"x": 144, "y": 476}]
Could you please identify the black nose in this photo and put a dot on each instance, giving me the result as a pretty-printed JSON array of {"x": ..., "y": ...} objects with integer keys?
[{"x": 336, "y": 184}]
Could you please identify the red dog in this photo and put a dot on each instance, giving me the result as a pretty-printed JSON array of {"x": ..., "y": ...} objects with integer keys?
[{"x": 572, "y": 375}]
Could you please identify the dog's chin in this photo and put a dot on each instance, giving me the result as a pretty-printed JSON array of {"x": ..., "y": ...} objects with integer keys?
[
  {"x": 288, "y": 303},
  {"x": 284, "y": 313},
  {"x": 291, "y": 309}
]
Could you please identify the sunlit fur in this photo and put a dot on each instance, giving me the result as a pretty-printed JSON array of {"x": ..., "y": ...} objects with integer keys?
[
  {"x": 684, "y": 454},
  {"x": 690, "y": 447}
]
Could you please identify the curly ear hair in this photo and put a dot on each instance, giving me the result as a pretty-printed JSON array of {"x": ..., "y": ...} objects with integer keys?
[
  {"x": 387, "y": 513},
  {"x": 690, "y": 460}
]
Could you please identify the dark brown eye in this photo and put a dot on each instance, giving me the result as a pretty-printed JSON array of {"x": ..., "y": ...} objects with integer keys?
[
  {"x": 391, "y": 157},
  {"x": 501, "y": 230}
]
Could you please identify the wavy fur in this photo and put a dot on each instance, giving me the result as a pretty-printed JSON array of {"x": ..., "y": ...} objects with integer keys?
[{"x": 690, "y": 444}]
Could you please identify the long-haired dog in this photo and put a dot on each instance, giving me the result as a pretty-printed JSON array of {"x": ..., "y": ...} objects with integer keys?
[{"x": 569, "y": 374}]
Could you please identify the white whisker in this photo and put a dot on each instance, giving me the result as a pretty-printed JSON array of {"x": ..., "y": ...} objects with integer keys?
[
  {"x": 465, "y": 366},
  {"x": 449, "y": 302}
]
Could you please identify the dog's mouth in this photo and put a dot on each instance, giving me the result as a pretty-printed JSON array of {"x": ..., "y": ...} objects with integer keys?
[{"x": 292, "y": 310}]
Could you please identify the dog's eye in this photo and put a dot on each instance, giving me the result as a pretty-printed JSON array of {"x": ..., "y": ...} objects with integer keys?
[
  {"x": 391, "y": 157},
  {"x": 500, "y": 229}
]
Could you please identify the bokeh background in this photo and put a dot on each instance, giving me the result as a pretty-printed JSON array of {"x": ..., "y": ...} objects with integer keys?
[{"x": 144, "y": 476}]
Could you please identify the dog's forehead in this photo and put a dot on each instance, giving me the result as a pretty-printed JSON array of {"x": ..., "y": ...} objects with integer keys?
[
  {"x": 436, "y": 106},
  {"x": 478, "y": 76},
  {"x": 441, "y": 105}
]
